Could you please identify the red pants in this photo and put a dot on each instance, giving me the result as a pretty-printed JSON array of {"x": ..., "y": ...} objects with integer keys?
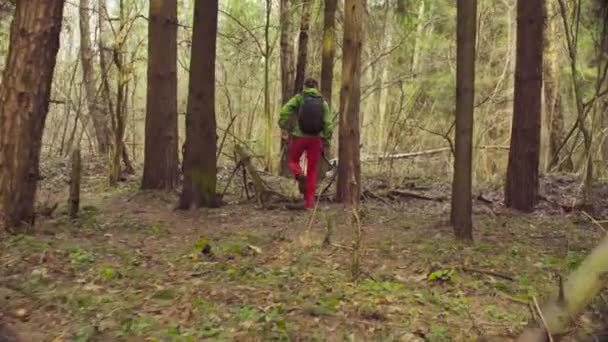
[{"x": 313, "y": 148}]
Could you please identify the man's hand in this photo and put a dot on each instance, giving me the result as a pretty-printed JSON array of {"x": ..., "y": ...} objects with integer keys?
[{"x": 284, "y": 134}]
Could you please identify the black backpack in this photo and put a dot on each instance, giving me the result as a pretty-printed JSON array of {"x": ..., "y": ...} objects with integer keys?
[{"x": 310, "y": 116}]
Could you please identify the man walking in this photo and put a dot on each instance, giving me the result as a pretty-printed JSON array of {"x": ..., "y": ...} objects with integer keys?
[{"x": 307, "y": 119}]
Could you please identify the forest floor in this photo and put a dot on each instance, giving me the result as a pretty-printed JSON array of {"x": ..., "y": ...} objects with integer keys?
[{"x": 132, "y": 268}]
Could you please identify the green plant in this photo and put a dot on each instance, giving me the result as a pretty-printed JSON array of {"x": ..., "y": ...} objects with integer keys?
[
  {"x": 138, "y": 326},
  {"x": 78, "y": 256},
  {"x": 201, "y": 243},
  {"x": 249, "y": 314},
  {"x": 107, "y": 273},
  {"x": 157, "y": 228},
  {"x": 443, "y": 276}
]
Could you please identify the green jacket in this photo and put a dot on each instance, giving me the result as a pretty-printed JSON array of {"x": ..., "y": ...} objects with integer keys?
[{"x": 292, "y": 107}]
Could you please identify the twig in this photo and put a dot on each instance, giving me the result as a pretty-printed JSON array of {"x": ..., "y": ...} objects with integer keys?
[
  {"x": 341, "y": 246},
  {"x": 492, "y": 273},
  {"x": 513, "y": 299},
  {"x": 370, "y": 194},
  {"x": 542, "y": 318},
  {"x": 594, "y": 221},
  {"x": 405, "y": 193}
]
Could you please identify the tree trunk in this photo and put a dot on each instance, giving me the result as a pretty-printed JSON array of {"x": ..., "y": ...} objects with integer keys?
[
  {"x": 521, "y": 188},
  {"x": 328, "y": 52},
  {"x": 24, "y": 103},
  {"x": 200, "y": 164},
  {"x": 287, "y": 66},
  {"x": 122, "y": 91},
  {"x": 267, "y": 112},
  {"x": 100, "y": 124},
  {"x": 287, "y": 76},
  {"x": 161, "y": 169},
  {"x": 554, "y": 117},
  {"x": 302, "y": 47},
  {"x": 417, "y": 39},
  {"x": 381, "y": 75},
  {"x": 328, "y": 49},
  {"x": 300, "y": 75},
  {"x": 349, "y": 167},
  {"x": 465, "y": 96},
  {"x": 104, "y": 57}
]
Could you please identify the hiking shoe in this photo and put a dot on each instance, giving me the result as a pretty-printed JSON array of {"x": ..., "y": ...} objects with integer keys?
[{"x": 301, "y": 183}]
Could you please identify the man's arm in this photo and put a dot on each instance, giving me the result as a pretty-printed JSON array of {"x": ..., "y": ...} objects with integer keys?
[
  {"x": 288, "y": 109},
  {"x": 328, "y": 123}
]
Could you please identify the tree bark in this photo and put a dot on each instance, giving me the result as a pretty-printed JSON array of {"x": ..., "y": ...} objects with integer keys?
[
  {"x": 299, "y": 77},
  {"x": 349, "y": 167},
  {"x": 302, "y": 47},
  {"x": 287, "y": 75},
  {"x": 328, "y": 49},
  {"x": 200, "y": 164},
  {"x": 328, "y": 54},
  {"x": 161, "y": 169},
  {"x": 267, "y": 112},
  {"x": 24, "y": 104},
  {"x": 287, "y": 65},
  {"x": 554, "y": 116},
  {"x": 122, "y": 91},
  {"x": 461, "y": 214},
  {"x": 521, "y": 188},
  {"x": 105, "y": 57},
  {"x": 100, "y": 124}
]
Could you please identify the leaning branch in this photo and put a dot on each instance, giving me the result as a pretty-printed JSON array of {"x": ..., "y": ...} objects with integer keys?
[{"x": 573, "y": 296}]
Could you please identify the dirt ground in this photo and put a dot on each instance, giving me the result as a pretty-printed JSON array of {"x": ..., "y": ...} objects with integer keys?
[{"x": 131, "y": 268}]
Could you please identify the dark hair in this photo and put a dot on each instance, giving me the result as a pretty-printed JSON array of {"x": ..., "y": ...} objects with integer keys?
[{"x": 311, "y": 83}]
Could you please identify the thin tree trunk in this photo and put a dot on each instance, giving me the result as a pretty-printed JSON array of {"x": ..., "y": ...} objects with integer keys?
[
  {"x": 161, "y": 166},
  {"x": 287, "y": 65},
  {"x": 379, "y": 109},
  {"x": 104, "y": 60},
  {"x": 300, "y": 74},
  {"x": 521, "y": 188},
  {"x": 302, "y": 47},
  {"x": 200, "y": 163},
  {"x": 461, "y": 214},
  {"x": 24, "y": 104},
  {"x": 349, "y": 167},
  {"x": 328, "y": 50},
  {"x": 100, "y": 124},
  {"x": 287, "y": 76},
  {"x": 118, "y": 121},
  {"x": 554, "y": 116},
  {"x": 267, "y": 113},
  {"x": 419, "y": 36}
]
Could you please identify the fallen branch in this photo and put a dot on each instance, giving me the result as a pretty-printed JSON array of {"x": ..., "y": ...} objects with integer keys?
[
  {"x": 409, "y": 155},
  {"x": 491, "y": 273},
  {"x": 594, "y": 221},
  {"x": 262, "y": 190},
  {"x": 482, "y": 199},
  {"x": 405, "y": 193},
  {"x": 370, "y": 194}
]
